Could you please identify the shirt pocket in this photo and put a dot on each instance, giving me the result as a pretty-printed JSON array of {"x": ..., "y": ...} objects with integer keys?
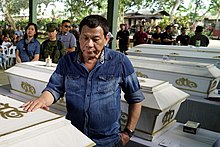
[
  {"x": 105, "y": 83},
  {"x": 73, "y": 83}
]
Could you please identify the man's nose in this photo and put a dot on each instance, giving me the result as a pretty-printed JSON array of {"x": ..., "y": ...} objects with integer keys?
[{"x": 90, "y": 42}]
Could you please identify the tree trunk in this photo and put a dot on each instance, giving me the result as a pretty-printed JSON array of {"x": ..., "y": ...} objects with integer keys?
[
  {"x": 173, "y": 11},
  {"x": 7, "y": 15}
]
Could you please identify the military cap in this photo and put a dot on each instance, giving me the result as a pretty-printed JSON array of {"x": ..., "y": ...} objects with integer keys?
[{"x": 51, "y": 27}]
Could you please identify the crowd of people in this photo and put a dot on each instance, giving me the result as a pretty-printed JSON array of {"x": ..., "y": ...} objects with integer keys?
[
  {"x": 61, "y": 39},
  {"x": 64, "y": 38},
  {"x": 170, "y": 36}
]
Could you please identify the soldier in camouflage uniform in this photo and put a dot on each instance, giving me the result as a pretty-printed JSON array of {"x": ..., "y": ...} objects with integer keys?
[{"x": 52, "y": 47}]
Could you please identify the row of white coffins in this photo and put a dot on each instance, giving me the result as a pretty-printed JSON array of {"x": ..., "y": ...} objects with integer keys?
[
  {"x": 159, "y": 108},
  {"x": 179, "y": 53},
  {"x": 198, "y": 79}
]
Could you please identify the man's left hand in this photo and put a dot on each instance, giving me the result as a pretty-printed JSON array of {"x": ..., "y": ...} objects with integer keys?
[{"x": 124, "y": 138}]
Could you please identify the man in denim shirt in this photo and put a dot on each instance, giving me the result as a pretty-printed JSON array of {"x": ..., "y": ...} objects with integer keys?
[{"x": 92, "y": 78}]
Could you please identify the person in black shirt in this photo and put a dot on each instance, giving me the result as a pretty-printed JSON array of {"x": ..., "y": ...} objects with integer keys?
[
  {"x": 199, "y": 39},
  {"x": 183, "y": 39},
  {"x": 123, "y": 36},
  {"x": 166, "y": 37},
  {"x": 156, "y": 36}
]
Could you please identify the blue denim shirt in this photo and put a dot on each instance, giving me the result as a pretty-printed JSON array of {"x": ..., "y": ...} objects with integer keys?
[
  {"x": 93, "y": 98},
  {"x": 33, "y": 48}
]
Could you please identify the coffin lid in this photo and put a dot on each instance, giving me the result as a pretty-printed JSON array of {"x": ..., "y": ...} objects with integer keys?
[
  {"x": 175, "y": 47},
  {"x": 159, "y": 94},
  {"x": 20, "y": 127},
  {"x": 33, "y": 70},
  {"x": 193, "y": 68}
]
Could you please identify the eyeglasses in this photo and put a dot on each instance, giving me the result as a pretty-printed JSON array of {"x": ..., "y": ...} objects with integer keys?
[{"x": 66, "y": 26}]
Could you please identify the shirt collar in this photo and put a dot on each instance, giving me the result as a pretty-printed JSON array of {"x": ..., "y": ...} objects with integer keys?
[{"x": 32, "y": 40}]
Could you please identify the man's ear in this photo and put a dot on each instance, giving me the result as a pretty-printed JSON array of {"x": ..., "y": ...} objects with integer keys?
[{"x": 106, "y": 38}]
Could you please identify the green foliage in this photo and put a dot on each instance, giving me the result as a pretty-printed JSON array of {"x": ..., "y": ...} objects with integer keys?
[{"x": 81, "y": 8}]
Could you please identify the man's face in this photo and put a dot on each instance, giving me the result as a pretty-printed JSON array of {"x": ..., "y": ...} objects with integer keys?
[
  {"x": 158, "y": 29},
  {"x": 184, "y": 31},
  {"x": 52, "y": 35},
  {"x": 92, "y": 41},
  {"x": 66, "y": 27}
]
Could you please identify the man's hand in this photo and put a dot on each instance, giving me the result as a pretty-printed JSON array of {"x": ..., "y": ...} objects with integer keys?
[
  {"x": 34, "y": 105},
  {"x": 124, "y": 138},
  {"x": 45, "y": 100}
]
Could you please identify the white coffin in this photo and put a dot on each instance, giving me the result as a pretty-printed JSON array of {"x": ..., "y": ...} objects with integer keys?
[
  {"x": 179, "y": 53},
  {"x": 30, "y": 78},
  {"x": 199, "y": 79},
  {"x": 159, "y": 109},
  {"x": 36, "y": 129}
]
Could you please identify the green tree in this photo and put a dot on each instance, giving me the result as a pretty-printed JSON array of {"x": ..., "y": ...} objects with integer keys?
[
  {"x": 13, "y": 7},
  {"x": 77, "y": 9},
  {"x": 215, "y": 8}
]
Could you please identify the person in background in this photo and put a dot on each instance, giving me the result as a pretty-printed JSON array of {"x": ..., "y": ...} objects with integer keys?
[
  {"x": 6, "y": 42},
  {"x": 166, "y": 37},
  {"x": 149, "y": 34},
  {"x": 109, "y": 40},
  {"x": 10, "y": 31},
  {"x": 66, "y": 37},
  {"x": 16, "y": 39},
  {"x": 75, "y": 32},
  {"x": 28, "y": 49},
  {"x": 156, "y": 37},
  {"x": 19, "y": 32},
  {"x": 183, "y": 39},
  {"x": 199, "y": 39},
  {"x": 52, "y": 47},
  {"x": 140, "y": 37},
  {"x": 92, "y": 79},
  {"x": 175, "y": 31},
  {"x": 123, "y": 37}
]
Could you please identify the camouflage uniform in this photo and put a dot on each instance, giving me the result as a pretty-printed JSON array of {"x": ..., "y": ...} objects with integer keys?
[{"x": 54, "y": 49}]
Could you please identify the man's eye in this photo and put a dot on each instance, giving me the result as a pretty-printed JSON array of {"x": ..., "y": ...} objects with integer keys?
[{"x": 96, "y": 39}]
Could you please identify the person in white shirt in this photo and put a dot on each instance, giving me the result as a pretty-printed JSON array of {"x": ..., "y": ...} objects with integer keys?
[
  {"x": 109, "y": 40},
  {"x": 6, "y": 42}
]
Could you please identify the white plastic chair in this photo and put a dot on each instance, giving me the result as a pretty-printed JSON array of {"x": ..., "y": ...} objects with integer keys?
[
  {"x": 5, "y": 56},
  {"x": 12, "y": 55},
  {"x": 1, "y": 61}
]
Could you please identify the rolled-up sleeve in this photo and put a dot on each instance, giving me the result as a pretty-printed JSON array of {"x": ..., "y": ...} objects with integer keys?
[
  {"x": 130, "y": 84},
  {"x": 56, "y": 83}
]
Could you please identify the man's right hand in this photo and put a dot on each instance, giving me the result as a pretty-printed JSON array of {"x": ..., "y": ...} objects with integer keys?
[
  {"x": 45, "y": 100},
  {"x": 34, "y": 105}
]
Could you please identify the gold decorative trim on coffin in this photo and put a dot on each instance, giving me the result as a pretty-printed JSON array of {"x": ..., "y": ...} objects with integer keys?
[
  {"x": 168, "y": 116},
  {"x": 7, "y": 111},
  {"x": 138, "y": 51},
  {"x": 30, "y": 126},
  {"x": 28, "y": 88},
  {"x": 174, "y": 54},
  {"x": 216, "y": 57},
  {"x": 140, "y": 74},
  {"x": 186, "y": 82}
]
